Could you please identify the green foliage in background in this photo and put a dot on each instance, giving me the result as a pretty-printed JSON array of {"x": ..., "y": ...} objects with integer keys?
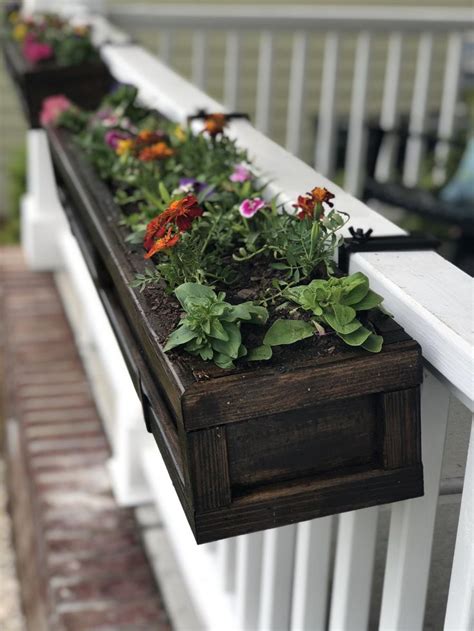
[{"x": 16, "y": 186}]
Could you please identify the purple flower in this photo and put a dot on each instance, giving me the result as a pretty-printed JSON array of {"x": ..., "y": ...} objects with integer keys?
[
  {"x": 249, "y": 207},
  {"x": 241, "y": 173},
  {"x": 113, "y": 137},
  {"x": 191, "y": 185}
]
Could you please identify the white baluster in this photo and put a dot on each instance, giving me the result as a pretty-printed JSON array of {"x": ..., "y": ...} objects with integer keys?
[
  {"x": 412, "y": 522},
  {"x": 414, "y": 150},
  {"x": 452, "y": 71},
  {"x": 248, "y": 579},
  {"x": 296, "y": 93},
  {"x": 226, "y": 550},
  {"x": 352, "y": 584},
  {"x": 166, "y": 46},
  {"x": 232, "y": 71},
  {"x": 264, "y": 83},
  {"x": 357, "y": 134},
  {"x": 460, "y": 609},
  {"x": 199, "y": 60},
  {"x": 277, "y": 577},
  {"x": 324, "y": 156},
  {"x": 388, "y": 115},
  {"x": 311, "y": 578}
]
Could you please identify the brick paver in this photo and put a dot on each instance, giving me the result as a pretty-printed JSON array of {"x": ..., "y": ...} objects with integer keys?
[{"x": 80, "y": 557}]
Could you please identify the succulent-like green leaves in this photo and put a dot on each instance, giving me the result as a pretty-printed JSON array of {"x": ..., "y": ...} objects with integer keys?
[
  {"x": 335, "y": 303},
  {"x": 211, "y": 326}
]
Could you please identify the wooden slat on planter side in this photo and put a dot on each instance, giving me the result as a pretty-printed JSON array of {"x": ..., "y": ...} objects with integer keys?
[{"x": 265, "y": 445}]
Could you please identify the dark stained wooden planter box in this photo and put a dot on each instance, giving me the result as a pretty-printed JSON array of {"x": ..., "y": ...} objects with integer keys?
[
  {"x": 262, "y": 446},
  {"x": 84, "y": 84}
]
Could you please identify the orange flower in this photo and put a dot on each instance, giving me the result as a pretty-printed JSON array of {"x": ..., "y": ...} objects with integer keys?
[
  {"x": 321, "y": 195},
  {"x": 307, "y": 203},
  {"x": 158, "y": 151},
  {"x": 214, "y": 124},
  {"x": 180, "y": 213},
  {"x": 165, "y": 242}
]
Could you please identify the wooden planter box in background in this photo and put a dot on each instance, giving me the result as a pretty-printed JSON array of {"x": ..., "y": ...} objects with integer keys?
[
  {"x": 84, "y": 84},
  {"x": 266, "y": 445}
]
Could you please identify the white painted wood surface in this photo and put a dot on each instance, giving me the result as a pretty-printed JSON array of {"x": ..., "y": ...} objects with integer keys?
[
  {"x": 263, "y": 107},
  {"x": 296, "y": 93},
  {"x": 325, "y": 150},
  {"x": 311, "y": 574},
  {"x": 232, "y": 71},
  {"x": 248, "y": 579},
  {"x": 421, "y": 87},
  {"x": 352, "y": 581},
  {"x": 357, "y": 133},
  {"x": 277, "y": 578},
  {"x": 412, "y": 522},
  {"x": 460, "y": 609}
]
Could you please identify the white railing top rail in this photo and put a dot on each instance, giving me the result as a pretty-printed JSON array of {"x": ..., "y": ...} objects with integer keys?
[
  {"x": 294, "y": 17},
  {"x": 429, "y": 296}
]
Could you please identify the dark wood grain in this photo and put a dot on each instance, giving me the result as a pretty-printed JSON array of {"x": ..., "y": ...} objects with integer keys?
[
  {"x": 263, "y": 445},
  {"x": 293, "y": 503},
  {"x": 339, "y": 434},
  {"x": 246, "y": 395},
  {"x": 209, "y": 468},
  {"x": 402, "y": 439}
]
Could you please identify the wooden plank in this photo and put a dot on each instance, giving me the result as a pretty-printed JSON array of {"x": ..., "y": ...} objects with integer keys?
[
  {"x": 203, "y": 405},
  {"x": 207, "y": 454},
  {"x": 311, "y": 575},
  {"x": 402, "y": 439},
  {"x": 248, "y": 579},
  {"x": 292, "y": 444},
  {"x": 274, "y": 505},
  {"x": 296, "y": 93},
  {"x": 460, "y": 609},
  {"x": 277, "y": 576},
  {"x": 263, "y": 105},
  {"x": 407, "y": 567},
  {"x": 352, "y": 581},
  {"x": 325, "y": 151}
]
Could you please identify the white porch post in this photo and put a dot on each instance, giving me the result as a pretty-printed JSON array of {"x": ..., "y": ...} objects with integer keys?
[{"x": 42, "y": 218}]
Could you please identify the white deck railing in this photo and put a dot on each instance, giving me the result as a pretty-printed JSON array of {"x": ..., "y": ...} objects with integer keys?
[
  {"x": 284, "y": 578},
  {"x": 436, "y": 32}
]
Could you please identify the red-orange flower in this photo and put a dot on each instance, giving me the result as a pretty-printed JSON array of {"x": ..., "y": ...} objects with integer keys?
[
  {"x": 214, "y": 124},
  {"x": 158, "y": 151},
  {"x": 307, "y": 203},
  {"x": 180, "y": 213},
  {"x": 165, "y": 242},
  {"x": 321, "y": 195}
]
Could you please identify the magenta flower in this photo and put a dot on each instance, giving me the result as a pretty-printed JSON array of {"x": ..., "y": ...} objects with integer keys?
[
  {"x": 113, "y": 137},
  {"x": 52, "y": 108},
  {"x": 35, "y": 51},
  {"x": 241, "y": 173},
  {"x": 249, "y": 207}
]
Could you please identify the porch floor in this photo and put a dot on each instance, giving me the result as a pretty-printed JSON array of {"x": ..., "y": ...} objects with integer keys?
[{"x": 79, "y": 556}]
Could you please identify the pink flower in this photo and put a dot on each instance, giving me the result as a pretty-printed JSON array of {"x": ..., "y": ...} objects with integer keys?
[
  {"x": 249, "y": 207},
  {"x": 52, "y": 108},
  {"x": 241, "y": 173},
  {"x": 36, "y": 51},
  {"x": 113, "y": 137}
]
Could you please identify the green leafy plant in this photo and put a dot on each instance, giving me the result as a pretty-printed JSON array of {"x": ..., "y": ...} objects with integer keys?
[
  {"x": 337, "y": 303},
  {"x": 211, "y": 326}
]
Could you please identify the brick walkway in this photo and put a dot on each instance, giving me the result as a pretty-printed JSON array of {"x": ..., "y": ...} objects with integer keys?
[{"x": 80, "y": 558}]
